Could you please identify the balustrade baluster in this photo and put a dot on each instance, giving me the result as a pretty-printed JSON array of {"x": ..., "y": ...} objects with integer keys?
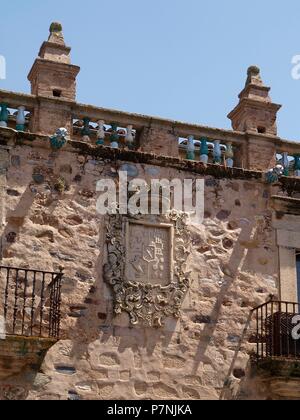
[
  {"x": 204, "y": 151},
  {"x": 114, "y": 137},
  {"x": 285, "y": 163},
  {"x": 217, "y": 152},
  {"x": 4, "y": 115},
  {"x": 20, "y": 119},
  {"x": 297, "y": 165},
  {"x": 229, "y": 155},
  {"x": 86, "y": 131},
  {"x": 190, "y": 153},
  {"x": 129, "y": 139},
  {"x": 100, "y": 133}
]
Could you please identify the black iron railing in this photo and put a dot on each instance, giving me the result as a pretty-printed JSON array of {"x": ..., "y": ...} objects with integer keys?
[
  {"x": 31, "y": 302},
  {"x": 275, "y": 330}
]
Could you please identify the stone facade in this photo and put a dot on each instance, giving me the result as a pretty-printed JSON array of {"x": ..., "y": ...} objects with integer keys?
[
  {"x": 120, "y": 341},
  {"x": 233, "y": 263}
]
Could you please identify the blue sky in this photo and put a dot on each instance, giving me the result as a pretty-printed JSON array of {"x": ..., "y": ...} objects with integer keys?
[{"x": 179, "y": 59}]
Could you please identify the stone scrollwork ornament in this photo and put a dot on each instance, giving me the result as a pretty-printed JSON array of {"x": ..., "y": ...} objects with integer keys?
[{"x": 146, "y": 266}]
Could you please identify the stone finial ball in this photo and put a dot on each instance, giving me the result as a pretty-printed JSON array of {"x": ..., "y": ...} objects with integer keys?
[
  {"x": 253, "y": 70},
  {"x": 55, "y": 27}
]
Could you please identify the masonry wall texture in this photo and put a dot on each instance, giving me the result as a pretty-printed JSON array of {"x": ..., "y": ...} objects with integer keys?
[
  {"x": 48, "y": 220},
  {"x": 234, "y": 268}
]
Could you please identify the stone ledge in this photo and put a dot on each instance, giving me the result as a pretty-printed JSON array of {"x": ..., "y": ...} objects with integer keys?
[
  {"x": 279, "y": 367},
  {"x": 9, "y": 137},
  {"x": 286, "y": 205},
  {"x": 18, "y": 353}
]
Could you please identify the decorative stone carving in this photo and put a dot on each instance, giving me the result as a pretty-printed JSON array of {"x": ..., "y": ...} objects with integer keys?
[
  {"x": 146, "y": 266},
  {"x": 273, "y": 175},
  {"x": 59, "y": 139}
]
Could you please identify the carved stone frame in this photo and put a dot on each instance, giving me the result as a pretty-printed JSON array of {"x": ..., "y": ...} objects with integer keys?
[{"x": 147, "y": 303}]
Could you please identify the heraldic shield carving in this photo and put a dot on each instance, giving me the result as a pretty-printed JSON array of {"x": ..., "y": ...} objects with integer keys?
[{"x": 146, "y": 266}]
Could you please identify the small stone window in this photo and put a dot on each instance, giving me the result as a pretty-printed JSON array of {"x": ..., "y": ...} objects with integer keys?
[
  {"x": 261, "y": 130},
  {"x": 57, "y": 93}
]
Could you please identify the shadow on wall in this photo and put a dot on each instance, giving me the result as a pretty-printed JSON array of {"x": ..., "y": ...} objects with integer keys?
[
  {"x": 94, "y": 323},
  {"x": 15, "y": 220},
  {"x": 235, "y": 263}
]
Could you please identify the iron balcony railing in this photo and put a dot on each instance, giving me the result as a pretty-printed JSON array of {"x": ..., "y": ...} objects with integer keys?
[
  {"x": 31, "y": 302},
  {"x": 275, "y": 330}
]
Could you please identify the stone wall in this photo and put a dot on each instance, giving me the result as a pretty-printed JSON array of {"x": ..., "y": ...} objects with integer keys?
[{"x": 51, "y": 221}]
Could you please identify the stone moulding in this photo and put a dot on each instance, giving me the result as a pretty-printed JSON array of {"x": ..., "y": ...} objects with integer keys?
[{"x": 146, "y": 301}]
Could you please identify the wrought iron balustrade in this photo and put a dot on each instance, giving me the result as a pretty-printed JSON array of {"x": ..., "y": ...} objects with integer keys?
[
  {"x": 30, "y": 302},
  {"x": 274, "y": 323}
]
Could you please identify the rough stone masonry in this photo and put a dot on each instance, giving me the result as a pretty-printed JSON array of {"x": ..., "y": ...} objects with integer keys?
[{"x": 128, "y": 338}]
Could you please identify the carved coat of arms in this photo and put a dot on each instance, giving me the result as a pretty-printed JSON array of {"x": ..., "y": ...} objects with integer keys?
[{"x": 146, "y": 266}]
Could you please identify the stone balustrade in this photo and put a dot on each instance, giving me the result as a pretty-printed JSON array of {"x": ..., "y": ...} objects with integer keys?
[
  {"x": 208, "y": 151},
  {"x": 102, "y": 133},
  {"x": 16, "y": 110},
  {"x": 289, "y": 157},
  {"x": 116, "y": 129},
  {"x": 17, "y": 119}
]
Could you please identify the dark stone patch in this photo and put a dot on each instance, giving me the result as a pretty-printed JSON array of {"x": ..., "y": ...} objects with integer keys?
[
  {"x": 15, "y": 161},
  {"x": 228, "y": 243},
  {"x": 87, "y": 194},
  {"x": 211, "y": 182},
  {"x": 38, "y": 178},
  {"x": 202, "y": 319},
  {"x": 227, "y": 303},
  {"x": 68, "y": 284},
  {"x": 74, "y": 220},
  {"x": 203, "y": 249},
  {"x": 13, "y": 193},
  {"x": 77, "y": 311},
  {"x": 223, "y": 214},
  {"x": 67, "y": 169},
  {"x": 233, "y": 338},
  {"x": 261, "y": 291},
  {"x": 249, "y": 186},
  {"x": 73, "y": 396},
  {"x": 77, "y": 178},
  {"x": 61, "y": 256},
  {"x": 65, "y": 370},
  {"x": 90, "y": 301},
  {"x": 11, "y": 237},
  {"x": 82, "y": 277},
  {"x": 234, "y": 186},
  {"x": 233, "y": 225},
  {"x": 266, "y": 194},
  {"x": 207, "y": 214},
  {"x": 239, "y": 373}
]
